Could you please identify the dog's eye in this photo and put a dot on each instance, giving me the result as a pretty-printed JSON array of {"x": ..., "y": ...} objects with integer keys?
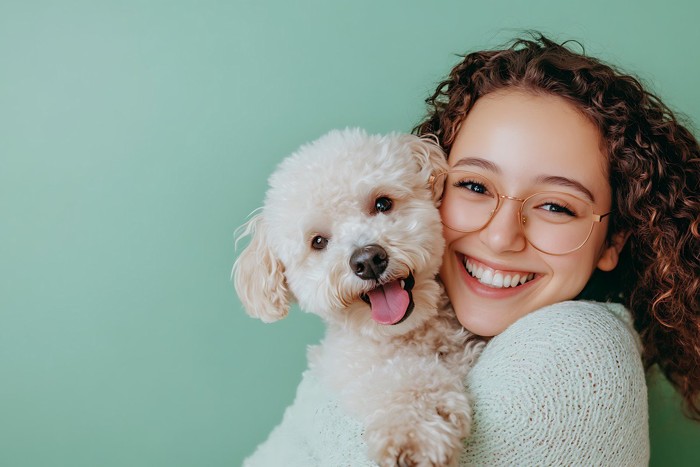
[
  {"x": 319, "y": 242},
  {"x": 383, "y": 204}
]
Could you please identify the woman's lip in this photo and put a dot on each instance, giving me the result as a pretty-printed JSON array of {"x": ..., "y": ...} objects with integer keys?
[{"x": 487, "y": 291}]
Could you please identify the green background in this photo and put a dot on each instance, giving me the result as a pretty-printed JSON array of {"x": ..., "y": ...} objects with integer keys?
[{"x": 136, "y": 136}]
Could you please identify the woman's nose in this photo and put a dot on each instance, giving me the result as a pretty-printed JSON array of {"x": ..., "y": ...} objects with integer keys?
[{"x": 504, "y": 232}]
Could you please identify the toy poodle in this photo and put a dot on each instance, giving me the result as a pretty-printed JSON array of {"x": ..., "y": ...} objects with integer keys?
[{"x": 350, "y": 230}]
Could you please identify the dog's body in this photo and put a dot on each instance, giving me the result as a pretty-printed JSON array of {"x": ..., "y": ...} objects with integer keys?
[{"x": 350, "y": 229}]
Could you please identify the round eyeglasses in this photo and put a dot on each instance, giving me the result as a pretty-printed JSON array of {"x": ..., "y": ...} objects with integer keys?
[{"x": 553, "y": 222}]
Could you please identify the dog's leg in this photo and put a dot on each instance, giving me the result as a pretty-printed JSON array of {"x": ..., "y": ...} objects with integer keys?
[{"x": 416, "y": 413}]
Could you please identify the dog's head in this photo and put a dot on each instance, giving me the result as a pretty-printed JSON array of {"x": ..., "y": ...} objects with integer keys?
[{"x": 350, "y": 230}]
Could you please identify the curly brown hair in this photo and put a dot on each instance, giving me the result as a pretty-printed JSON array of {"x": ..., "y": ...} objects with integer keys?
[{"x": 654, "y": 171}]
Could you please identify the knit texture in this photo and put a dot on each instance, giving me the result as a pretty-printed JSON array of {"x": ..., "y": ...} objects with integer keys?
[{"x": 564, "y": 385}]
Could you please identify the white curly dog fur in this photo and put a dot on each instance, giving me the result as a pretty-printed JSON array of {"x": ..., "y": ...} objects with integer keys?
[{"x": 350, "y": 230}]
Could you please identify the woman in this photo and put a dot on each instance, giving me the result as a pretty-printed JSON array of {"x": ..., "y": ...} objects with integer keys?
[{"x": 568, "y": 182}]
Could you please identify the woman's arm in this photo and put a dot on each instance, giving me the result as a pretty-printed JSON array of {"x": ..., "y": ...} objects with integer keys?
[
  {"x": 563, "y": 385},
  {"x": 314, "y": 431}
]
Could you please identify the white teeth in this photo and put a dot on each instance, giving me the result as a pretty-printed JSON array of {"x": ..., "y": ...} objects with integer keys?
[
  {"x": 494, "y": 278},
  {"x": 402, "y": 283},
  {"x": 497, "y": 280},
  {"x": 506, "y": 281}
]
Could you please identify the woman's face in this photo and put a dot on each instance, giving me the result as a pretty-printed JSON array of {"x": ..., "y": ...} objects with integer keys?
[{"x": 524, "y": 143}]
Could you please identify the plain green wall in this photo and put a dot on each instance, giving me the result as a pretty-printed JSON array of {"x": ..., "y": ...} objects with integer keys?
[{"x": 135, "y": 136}]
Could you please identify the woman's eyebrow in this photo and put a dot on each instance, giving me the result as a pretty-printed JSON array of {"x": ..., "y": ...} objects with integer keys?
[
  {"x": 542, "y": 179},
  {"x": 478, "y": 162},
  {"x": 566, "y": 182}
]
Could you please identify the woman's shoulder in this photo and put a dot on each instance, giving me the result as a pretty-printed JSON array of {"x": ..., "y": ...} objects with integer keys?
[
  {"x": 564, "y": 381},
  {"x": 565, "y": 344},
  {"x": 570, "y": 326}
]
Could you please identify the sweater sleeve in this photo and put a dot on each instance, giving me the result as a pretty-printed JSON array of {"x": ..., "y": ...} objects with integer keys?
[
  {"x": 563, "y": 385},
  {"x": 315, "y": 432}
]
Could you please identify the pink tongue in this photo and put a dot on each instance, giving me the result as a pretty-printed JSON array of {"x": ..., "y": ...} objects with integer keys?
[{"x": 389, "y": 303}]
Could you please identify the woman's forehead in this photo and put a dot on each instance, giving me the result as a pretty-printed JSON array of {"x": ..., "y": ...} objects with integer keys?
[{"x": 524, "y": 138}]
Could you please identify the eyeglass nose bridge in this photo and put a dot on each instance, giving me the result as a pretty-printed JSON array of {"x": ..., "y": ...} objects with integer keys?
[
  {"x": 521, "y": 218},
  {"x": 512, "y": 198}
]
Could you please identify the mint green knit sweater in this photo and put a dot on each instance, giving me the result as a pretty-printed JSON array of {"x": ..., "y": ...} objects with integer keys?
[{"x": 563, "y": 385}]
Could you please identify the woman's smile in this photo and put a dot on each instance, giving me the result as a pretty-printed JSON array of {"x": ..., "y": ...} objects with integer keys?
[
  {"x": 489, "y": 282},
  {"x": 496, "y": 278}
]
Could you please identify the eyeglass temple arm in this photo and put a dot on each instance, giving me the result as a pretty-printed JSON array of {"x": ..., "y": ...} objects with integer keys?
[{"x": 599, "y": 217}]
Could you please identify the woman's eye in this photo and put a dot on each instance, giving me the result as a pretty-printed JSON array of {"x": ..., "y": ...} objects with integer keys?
[
  {"x": 555, "y": 208},
  {"x": 319, "y": 242},
  {"x": 383, "y": 204},
  {"x": 476, "y": 187}
]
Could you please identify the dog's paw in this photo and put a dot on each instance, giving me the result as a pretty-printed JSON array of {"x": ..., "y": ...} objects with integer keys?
[
  {"x": 429, "y": 437},
  {"x": 411, "y": 453}
]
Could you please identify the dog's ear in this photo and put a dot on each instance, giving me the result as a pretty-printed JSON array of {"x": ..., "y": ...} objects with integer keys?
[
  {"x": 258, "y": 275},
  {"x": 432, "y": 161}
]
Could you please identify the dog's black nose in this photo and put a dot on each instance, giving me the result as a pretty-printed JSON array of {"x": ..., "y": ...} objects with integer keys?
[{"x": 369, "y": 262}]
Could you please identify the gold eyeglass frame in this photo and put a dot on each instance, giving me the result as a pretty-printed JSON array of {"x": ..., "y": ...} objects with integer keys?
[{"x": 595, "y": 218}]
